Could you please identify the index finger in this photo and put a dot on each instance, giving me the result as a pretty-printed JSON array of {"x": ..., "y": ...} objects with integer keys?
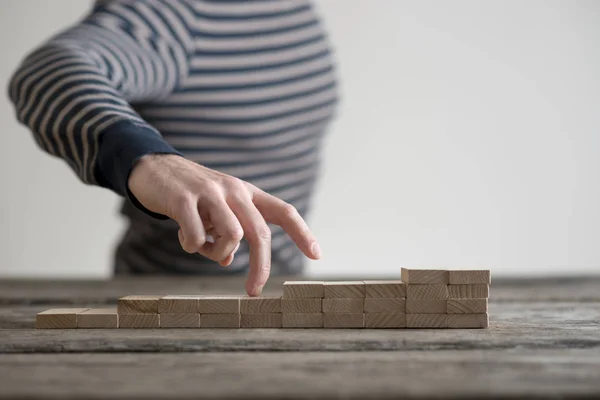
[{"x": 278, "y": 212}]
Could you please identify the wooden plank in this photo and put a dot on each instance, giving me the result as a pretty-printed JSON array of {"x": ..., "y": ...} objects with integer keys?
[
  {"x": 385, "y": 320},
  {"x": 425, "y": 276},
  {"x": 178, "y": 304},
  {"x": 180, "y": 320},
  {"x": 219, "y": 305},
  {"x": 385, "y": 305},
  {"x": 267, "y": 320},
  {"x": 338, "y": 320},
  {"x": 470, "y": 277},
  {"x": 426, "y": 306},
  {"x": 426, "y": 321},
  {"x": 138, "y": 304},
  {"x": 439, "y": 292},
  {"x": 352, "y": 306},
  {"x": 385, "y": 289},
  {"x": 303, "y": 289},
  {"x": 139, "y": 321},
  {"x": 231, "y": 321},
  {"x": 58, "y": 318},
  {"x": 344, "y": 289},
  {"x": 467, "y": 306},
  {"x": 468, "y": 291},
  {"x": 299, "y": 320},
  {"x": 301, "y": 305},
  {"x": 468, "y": 320},
  {"x": 98, "y": 318},
  {"x": 260, "y": 305}
]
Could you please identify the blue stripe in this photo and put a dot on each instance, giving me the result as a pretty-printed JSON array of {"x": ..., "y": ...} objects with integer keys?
[{"x": 266, "y": 49}]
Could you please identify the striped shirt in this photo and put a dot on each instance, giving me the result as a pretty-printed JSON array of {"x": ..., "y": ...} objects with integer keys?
[{"x": 243, "y": 87}]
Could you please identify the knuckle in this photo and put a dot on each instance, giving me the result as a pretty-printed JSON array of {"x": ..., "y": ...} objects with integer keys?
[
  {"x": 235, "y": 233},
  {"x": 235, "y": 185},
  {"x": 289, "y": 211},
  {"x": 179, "y": 202},
  {"x": 263, "y": 233}
]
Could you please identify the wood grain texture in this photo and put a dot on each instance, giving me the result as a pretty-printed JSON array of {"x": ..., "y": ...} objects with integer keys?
[
  {"x": 139, "y": 321},
  {"x": 58, "y": 318},
  {"x": 344, "y": 289},
  {"x": 303, "y": 289},
  {"x": 385, "y": 320},
  {"x": 336, "y": 320},
  {"x": 468, "y": 291},
  {"x": 187, "y": 320},
  {"x": 426, "y": 306},
  {"x": 470, "y": 277},
  {"x": 425, "y": 276},
  {"x": 426, "y": 321},
  {"x": 178, "y": 304},
  {"x": 268, "y": 320},
  {"x": 467, "y": 306},
  {"x": 439, "y": 292},
  {"x": 138, "y": 304},
  {"x": 219, "y": 305},
  {"x": 98, "y": 318},
  {"x": 385, "y": 305},
  {"x": 351, "y": 306},
  {"x": 468, "y": 320},
  {"x": 385, "y": 289},
  {"x": 301, "y": 305},
  {"x": 260, "y": 305},
  {"x": 298, "y": 320},
  {"x": 231, "y": 321}
]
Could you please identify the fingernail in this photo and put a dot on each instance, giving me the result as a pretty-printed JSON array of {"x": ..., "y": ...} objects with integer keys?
[
  {"x": 258, "y": 290},
  {"x": 316, "y": 250}
]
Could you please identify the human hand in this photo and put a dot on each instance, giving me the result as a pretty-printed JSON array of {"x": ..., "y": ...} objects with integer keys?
[{"x": 207, "y": 202}]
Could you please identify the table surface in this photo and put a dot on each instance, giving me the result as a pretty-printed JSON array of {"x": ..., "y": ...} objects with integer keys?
[{"x": 543, "y": 340}]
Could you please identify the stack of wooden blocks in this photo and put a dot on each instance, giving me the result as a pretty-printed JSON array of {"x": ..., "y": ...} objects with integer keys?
[{"x": 422, "y": 299}]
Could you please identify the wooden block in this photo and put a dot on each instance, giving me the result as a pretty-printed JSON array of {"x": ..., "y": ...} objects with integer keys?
[
  {"x": 58, "y": 318},
  {"x": 426, "y": 321},
  {"x": 303, "y": 306},
  {"x": 468, "y": 291},
  {"x": 178, "y": 304},
  {"x": 352, "y": 306},
  {"x": 426, "y": 306},
  {"x": 139, "y": 321},
  {"x": 260, "y": 305},
  {"x": 302, "y": 289},
  {"x": 468, "y": 320},
  {"x": 467, "y": 306},
  {"x": 302, "y": 320},
  {"x": 385, "y": 320},
  {"x": 219, "y": 305},
  {"x": 138, "y": 305},
  {"x": 98, "y": 318},
  {"x": 385, "y": 289},
  {"x": 463, "y": 277},
  {"x": 179, "y": 320},
  {"x": 220, "y": 321},
  {"x": 425, "y": 276},
  {"x": 439, "y": 292},
  {"x": 344, "y": 290},
  {"x": 267, "y": 320},
  {"x": 385, "y": 305},
  {"x": 336, "y": 320}
]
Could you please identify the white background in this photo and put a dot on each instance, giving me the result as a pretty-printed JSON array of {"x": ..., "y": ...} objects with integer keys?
[{"x": 468, "y": 136}]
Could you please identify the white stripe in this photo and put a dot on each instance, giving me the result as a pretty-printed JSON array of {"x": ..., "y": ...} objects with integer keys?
[
  {"x": 246, "y": 9},
  {"x": 258, "y": 77},
  {"x": 260, "y": 59}
]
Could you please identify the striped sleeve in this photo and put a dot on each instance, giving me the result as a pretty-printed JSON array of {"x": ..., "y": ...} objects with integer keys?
[{"x": 75, "y": 92}]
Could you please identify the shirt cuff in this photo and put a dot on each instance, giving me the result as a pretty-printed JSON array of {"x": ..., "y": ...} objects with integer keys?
[{"x": 121, "y": 145}]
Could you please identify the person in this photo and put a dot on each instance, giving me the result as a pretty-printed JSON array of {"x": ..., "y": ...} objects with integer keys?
[{"x": 206, "y": 116}]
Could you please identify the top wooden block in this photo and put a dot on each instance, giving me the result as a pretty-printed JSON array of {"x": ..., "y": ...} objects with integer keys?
[
  {"x": 385, "y": 289},
  {"x": 58, "y": 318},
  {"x": 464, "y": 277},
  {"x": 260, "y": 305},
  {"x": 138, "y": 304},
  {"x": 425, "y": 276},
  {"x": 302, "y": 289},
  {"x": 219, "y": 305},
  {"x": 344, "y": 289},
  {"x": 178, "y": 304}
]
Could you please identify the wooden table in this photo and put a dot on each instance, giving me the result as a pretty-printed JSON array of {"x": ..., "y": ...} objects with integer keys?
[{"x": 544, "y": 340}]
